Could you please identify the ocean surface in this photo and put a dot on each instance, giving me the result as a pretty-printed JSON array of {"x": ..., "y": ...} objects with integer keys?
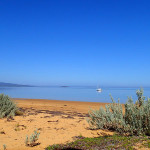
[{"x": 80, "y": 93}]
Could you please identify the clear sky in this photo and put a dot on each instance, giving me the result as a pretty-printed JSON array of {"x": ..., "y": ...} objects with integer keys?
[{"x": 75, "y": 42}]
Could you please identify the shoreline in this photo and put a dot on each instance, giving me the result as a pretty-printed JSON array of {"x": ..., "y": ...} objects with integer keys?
[
  {"x": 58, "y": 105},
  {"x": 42, "y": 99},
  {"x": 54, "y": 100}
]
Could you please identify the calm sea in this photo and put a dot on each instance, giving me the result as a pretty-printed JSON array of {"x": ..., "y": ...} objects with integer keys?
[{"x": 88, "y": 94}]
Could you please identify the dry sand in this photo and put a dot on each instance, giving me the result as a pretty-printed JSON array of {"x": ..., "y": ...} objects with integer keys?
[{"x": 57, "y": 121}]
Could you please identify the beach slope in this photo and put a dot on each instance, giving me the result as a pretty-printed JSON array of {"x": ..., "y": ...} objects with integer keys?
[{"x": 57, "y": 121}]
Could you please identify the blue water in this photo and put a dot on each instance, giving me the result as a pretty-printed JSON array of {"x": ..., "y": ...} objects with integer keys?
[{"x": 88, "y": 94}]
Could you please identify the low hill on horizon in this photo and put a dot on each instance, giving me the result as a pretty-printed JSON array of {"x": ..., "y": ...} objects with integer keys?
[{"x": 3, "y": 84}]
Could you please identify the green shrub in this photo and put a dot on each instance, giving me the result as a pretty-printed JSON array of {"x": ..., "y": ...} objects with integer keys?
[
  {"x": 4, "y": 147},
  {"x": 134, "y": 121},
  {"x": 7, "y": 106},
  {"x": 31, "y": 141}
]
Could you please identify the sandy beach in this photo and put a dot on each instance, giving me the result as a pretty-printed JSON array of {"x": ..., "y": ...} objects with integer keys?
[{"x": 57, "y": 121}]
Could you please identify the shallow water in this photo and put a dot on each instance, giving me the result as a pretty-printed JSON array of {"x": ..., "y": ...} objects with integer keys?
[{"x": 73, "y": 93}]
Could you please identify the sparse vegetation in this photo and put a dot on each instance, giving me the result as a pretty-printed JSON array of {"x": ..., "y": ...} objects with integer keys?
[
  {"x": 7, "y": 107},
  {"x": 19, "y": 127},
  {"x": 18, "y": 113},
  {"x": 106, "y": 142},
  {"x": 134, "y": 121},
  {"x": 4, "y": 147},
  {"x": 32, "y": 140}
]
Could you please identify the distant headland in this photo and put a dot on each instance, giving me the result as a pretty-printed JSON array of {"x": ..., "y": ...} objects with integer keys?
[{"x": 3, "y": 84}]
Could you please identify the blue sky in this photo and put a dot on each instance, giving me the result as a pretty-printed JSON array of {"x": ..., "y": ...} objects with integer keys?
[{"x": 75, "y": 42}]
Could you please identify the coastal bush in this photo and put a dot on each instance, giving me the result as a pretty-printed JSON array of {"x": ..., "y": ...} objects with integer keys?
[
  {"x": 7, "y": 106},
  {"x": 31, "y": 141},
  {"x": 4, "y": 147},
  {"x": 134, "y": 121}
]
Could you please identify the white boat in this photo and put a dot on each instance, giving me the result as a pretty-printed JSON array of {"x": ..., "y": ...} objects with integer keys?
[{"x": 99, "y": 90}]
